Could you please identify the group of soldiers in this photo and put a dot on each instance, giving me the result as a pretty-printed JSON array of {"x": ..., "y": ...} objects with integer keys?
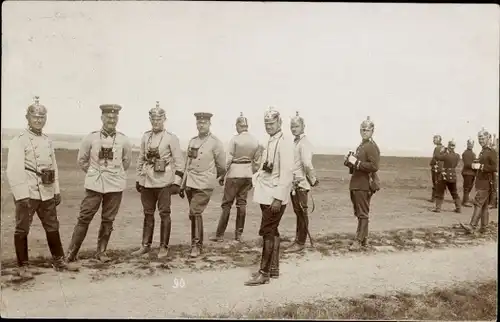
[
  {"x": 480, "y": 172},
  {"x": 280, "y": 172}
]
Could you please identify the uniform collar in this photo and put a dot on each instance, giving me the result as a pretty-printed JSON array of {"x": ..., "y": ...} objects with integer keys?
[
  {"x": 276, "y": 135},
  {"x": 204, "y": 136},
  {"x": 158, "y": 131},
  {"x": 298, "y": 137},
  {"x": 106, "y": 133},
  {"x": 34, "y": 132}
]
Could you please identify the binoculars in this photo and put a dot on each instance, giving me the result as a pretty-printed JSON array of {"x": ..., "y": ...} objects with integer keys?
[
  {"x": 152, "y": 154},
  {"x": 159, "y": 165},
  {"x": 347, "y": 164},
  {"x": 48, "y": 176},
  {"x": 267, "y": 167},
  {"x": 106, "y": 154},
  {"x": 192, "y": 153}
]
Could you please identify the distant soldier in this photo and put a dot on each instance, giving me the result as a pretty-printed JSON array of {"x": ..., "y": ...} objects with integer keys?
[
  {"x": 104, "y": 156},
  {"x": 160, "y": 167},
  {"x": 273, "y": 183},
  {"x": 305, "y": 176},
  {"x": 494, "y": 197},
  {"x": 468, "y": 173},
  {"x": 363, "y": 166},
  {"x": 436, "y": 166},
  {"x": 486, "y": 168},
  {"x": 33, "y": 177},
  {"x": 448, "y": 176},
  {"x": 205, "y": 163},
  {"x": 242, "y": 163}
]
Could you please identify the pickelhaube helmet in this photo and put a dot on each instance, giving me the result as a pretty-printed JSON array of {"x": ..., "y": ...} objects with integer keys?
[
  {"x": 36, "y": 109},
  {"x": 470, "y": 141},
  {"x": 438, "y": 138},
  {"x": 241, "y": 120},
  {"x": 297, "y": 118},
  {"x": 483, "y": 132},
  {"x": 271, "y": 116},
  {"x": 157, "y": 111},
  {"x": 367, "y": 124}
]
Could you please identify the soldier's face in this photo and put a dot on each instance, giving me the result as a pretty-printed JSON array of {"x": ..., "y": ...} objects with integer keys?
[
  {"x": 203, "y": 126},
  {"x": 436, "y": 140},
  {"x": 297, "y": 128},
  {"x": 109, "y": 121},
  {"x": 240, "y": 128},
  {"x": 273, "y": 128},
  {"x": 483, "y": 140},
  {"x": 36, "y": 122},
  {"x": 470, "y": 145},
  {"x": 157, "y": 122},
  {"x": 366, "y": 133}
]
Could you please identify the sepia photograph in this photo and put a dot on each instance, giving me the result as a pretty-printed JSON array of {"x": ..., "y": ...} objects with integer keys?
[{"x": 249, "y": 160}]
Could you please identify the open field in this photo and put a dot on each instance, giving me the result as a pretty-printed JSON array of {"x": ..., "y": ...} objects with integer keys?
[
  {"x": 411, "y": 250},
  {"x": 400, "y": 204}
]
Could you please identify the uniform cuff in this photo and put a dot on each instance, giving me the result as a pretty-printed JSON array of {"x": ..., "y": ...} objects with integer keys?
[
  {"x": 57, "y": 190},
  {"x": 177, "y": 180},
  {"x": 20, "y": 192}
]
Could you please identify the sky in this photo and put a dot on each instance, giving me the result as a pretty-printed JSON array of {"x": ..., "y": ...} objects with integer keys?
[{"x": 415, "y": 69}]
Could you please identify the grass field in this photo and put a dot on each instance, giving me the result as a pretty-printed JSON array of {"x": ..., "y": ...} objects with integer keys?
[{"x": 401, "y": 203}]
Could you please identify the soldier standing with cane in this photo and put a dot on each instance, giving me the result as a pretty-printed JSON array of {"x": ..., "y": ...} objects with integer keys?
[
  {"x": 159, "y": 175},
  {"x": 363, "y": 166},
  {"x": 205, "y": 164},
  {"x": 242, "y": 163},
  {"x": 273, "y": 183},
  {"x": 33, "y": 177},
  {"x": 486, "y": 168},
  {"x": 305, "y": 177},
  {"x": 104, "y": 156}
]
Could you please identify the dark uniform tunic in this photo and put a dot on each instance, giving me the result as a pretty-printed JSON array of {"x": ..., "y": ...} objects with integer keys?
[
  {"x": 448, "y": 176},
  {"x": 467, "y": 172},
  {"x": 436, "y": 167}
]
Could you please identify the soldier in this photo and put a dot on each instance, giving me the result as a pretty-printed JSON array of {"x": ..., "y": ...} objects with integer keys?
[
  {"x": 448, "y": 176},
  {"x": 104, "y": 156},
  {"x": 363, "y": 166},
  {"x": 273, "y": 183},
  {"x": 242, "y": 163},
  {"x": 305, "y": 177},
  {"x": 468, "y": 173},
  {"x": 494, "y": 197},
  {"x": 486, "y": 168},
  {"x": 436, "y": 166},
  {"x": 33, "y": 177},
  {"x": 159, "y": 175},
  {"x": 205, "y": 163}
]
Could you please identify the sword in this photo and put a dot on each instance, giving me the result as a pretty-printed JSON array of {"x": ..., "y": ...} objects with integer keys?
[
  {"x": 294, "y": 192},
  {"x": 184, "y": 176}
]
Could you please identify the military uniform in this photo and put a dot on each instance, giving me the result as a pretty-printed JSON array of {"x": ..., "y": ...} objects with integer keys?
[
  {"x": 206, "y": 163},
  {"x": 304, "y": 176},
  {"x": 361, "y": 185},
  {"x": 33, "y": 177},
  {"x": 242, "y": 162},
  {"x": 494, "y": 196},
  {"x": 447, "y": 179},
  {"x": 160, "y": 167},
  {"x": 468, "y": 175},
  {"x": 105, "y": 158},
  {"x": 436, "y": 167},
  {"x": 273, "y": 181}
]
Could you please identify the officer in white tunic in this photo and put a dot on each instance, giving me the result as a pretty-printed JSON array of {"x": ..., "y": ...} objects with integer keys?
[
  {"x": 33, "y": 177},
  {"x": 273, "y": 183},
  {"x": 105, "y": 157},
  {"x": 159, "y": 175}
]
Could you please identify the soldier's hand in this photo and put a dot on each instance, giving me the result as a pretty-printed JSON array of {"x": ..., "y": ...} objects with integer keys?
[
  {"x": 138, "y": 187},
  {"x": 24, "y": 203},
  {"x": 316, "y": 183},
  {"x": 175, "y": 189},
  {"x": 181, "y": 194},
  {"x": 352, "y": 159},
  {"x": 57, "y": 199},
  {"x": 276, "y": 206},
  {"x": 221, "y": 181}
]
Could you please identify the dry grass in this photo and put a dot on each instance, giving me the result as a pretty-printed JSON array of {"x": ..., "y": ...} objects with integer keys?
[
  {"x": 462, "y": 302},
  {"x": 400, "y": 204}
]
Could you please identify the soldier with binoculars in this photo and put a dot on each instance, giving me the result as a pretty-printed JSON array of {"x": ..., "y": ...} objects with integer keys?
[{"x": 447, "y": 178}]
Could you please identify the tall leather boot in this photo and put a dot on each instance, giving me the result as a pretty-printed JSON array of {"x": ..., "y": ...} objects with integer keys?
[
  {"x": 77, "y": 239},
  {"x": 356, "y": 245},
  {"x": 265, "y": 263},
  {"x": 274, "y": 271},
  {"x": 485, "y": 219},
  {"x": 21, "y": 246},
  {"x": 241, "y": 213},
  {"x": 102, "y": 243},
  {"x": 300, "y": 234},
  {"x": 165, "y": 229},
  {"x": 466, "y": 201},
  {"x": 148, "y": 228},
  {"x": 458, "y": 209},
  {"x": 195, "y": 237},
  {"x": 439, "y": 204},
  {"x": 474, "y": 220},
  {"x": 56, "y": 249},
  {"x": 363, "y": 238},
  {"x": 221, "y": 227}
]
